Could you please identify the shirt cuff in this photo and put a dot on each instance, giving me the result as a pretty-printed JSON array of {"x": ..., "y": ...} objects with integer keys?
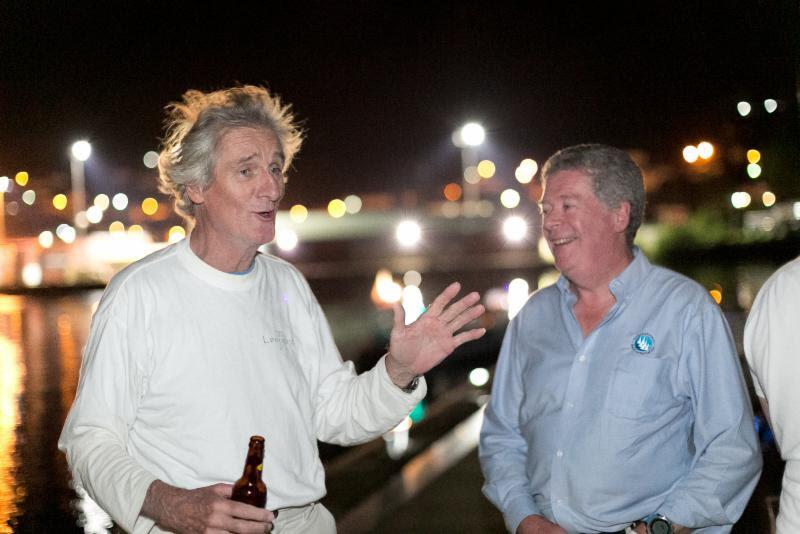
[
  {"x": 518, "y": 509},
  {"x": 415, "y": 396}
]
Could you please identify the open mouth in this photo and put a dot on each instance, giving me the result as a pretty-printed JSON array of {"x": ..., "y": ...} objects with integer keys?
[
  {"x": 266, "y": 215},
  {"x": 562, "y": 241}
]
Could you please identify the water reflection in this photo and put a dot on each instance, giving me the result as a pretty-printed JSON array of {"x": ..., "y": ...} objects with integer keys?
[
  {"x": 11, "y": 372},
  {"x": 41, "y": 338}
]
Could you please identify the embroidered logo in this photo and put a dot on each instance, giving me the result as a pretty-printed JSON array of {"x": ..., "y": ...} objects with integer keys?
[
  {"x": 643, "y": 343},
  {"x": 280, "y": 338}
]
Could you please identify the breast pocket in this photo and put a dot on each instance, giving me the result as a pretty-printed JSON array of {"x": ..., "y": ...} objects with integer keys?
[{"x": 640, "y": 387}]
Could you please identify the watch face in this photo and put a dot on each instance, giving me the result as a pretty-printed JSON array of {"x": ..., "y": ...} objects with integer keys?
[{"x": 660, "y": 526}]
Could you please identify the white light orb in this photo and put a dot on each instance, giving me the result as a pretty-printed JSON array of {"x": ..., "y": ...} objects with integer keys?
[
  {"x": 81, "y": 150},
  {"x": 286, "y": 239},
  {"x": 150, "y": 159},
  {"x": 509, "y": 198},
  {"x": 408, "y": 233},
  {"x": 744, "y": 108},
  {"x": 472, "y": 134},
  {"x": 479, "y": 377},
  {"x": 120, "y": 201},
  {"x": 515, "y": 228}
]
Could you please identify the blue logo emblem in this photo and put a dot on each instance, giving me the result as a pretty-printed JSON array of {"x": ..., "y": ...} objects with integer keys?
[{"x": 643, "y": 343}]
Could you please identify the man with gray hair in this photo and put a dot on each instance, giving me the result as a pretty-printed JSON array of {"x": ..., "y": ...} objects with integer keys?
[
  {"x": 618, "y": 402},
  {"x": 197, "y": 347}
]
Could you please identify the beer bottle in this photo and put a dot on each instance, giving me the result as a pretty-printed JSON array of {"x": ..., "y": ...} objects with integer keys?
[{"x": 250, "y": 489}]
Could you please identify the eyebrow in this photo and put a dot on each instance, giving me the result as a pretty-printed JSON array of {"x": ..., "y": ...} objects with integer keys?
[{"x": 246, "y": 159}]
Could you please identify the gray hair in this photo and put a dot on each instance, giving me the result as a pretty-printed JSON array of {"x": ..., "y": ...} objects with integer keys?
[
  {"x": 194, "y": 128},
  {"x": 615, "y": 177}
]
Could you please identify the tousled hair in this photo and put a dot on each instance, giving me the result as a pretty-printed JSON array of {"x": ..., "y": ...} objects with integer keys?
[{"x": 195, "y": 126}]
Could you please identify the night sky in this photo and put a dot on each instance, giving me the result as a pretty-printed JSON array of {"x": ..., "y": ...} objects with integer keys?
[{"x": 380, "y": 86}]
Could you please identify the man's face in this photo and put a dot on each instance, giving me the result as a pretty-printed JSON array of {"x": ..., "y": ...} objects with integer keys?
[
  {"x": 238, "y": 209},
  {"x": 584, "y": 235}
]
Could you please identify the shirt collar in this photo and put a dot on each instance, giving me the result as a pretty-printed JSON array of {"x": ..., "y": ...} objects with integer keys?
[{"x": 624, "y": 284}]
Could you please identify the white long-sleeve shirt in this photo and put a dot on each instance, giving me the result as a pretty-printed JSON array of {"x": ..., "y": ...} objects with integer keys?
[
  {"x": 772, "y": 348},
  {"x": 184, "y": 363}
]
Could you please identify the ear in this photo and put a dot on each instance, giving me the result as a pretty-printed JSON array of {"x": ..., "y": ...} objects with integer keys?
[
  {"x": 195, "y": 193},
  {"x": 622, "y": 216}
]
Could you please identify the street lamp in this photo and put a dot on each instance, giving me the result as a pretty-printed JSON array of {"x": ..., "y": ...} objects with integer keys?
[
  {"x": 468, "y": 138},
  {"x": 78, "y": 154}
]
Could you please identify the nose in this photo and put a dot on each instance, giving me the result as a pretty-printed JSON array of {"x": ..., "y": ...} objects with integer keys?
[
  {"x": 271, "y": 187},
  {"x": 550, "y": 221}
]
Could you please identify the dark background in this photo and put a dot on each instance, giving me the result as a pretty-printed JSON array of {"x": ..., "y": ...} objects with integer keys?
[{"x": 382, "y": 85}]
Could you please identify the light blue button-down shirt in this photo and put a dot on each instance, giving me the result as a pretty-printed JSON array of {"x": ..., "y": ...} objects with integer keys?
[{"x": 648, "y": 413}]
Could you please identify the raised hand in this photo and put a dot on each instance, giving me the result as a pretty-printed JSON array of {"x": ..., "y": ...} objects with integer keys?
[{"x": 420, "y": 346}]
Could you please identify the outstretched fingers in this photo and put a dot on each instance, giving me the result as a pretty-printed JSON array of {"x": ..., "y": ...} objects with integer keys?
[
  {"x": 468, "y": 335},
  {"x": 439, "y": 304},
  {"x": 465, "y": 317},
  {"x": 455, "y": 310}
]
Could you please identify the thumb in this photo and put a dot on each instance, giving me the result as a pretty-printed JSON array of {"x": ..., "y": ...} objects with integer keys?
[{"x": 222, "y": 489}]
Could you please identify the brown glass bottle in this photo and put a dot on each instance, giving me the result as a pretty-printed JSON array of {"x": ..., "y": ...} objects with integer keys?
[{"x": 250, "y": 489}]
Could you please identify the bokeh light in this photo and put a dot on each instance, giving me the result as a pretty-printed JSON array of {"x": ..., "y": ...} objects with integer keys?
[
  {"x": 452, "y": 192},
  {"x": 60, "y": 201},
  {"x": 32, "y": 275},
  {"x": 526, "y": 171},
  {"x": 94, "y": 214},
  {"x": 46, "y": 239},
  {"x": 352, "y": 204},
  {"x": 471, "y": 175},
  {"x": 705, "y": 150},
  {"x": 149, "y": 206},
  {"x": 486, "y": 169},
  {"x": 740, "y": 199},
  {"x": 744, "y": 108},
  {"x": 298, "y": 213},
  {"x": 81, "y": 150},
  {"x": 116, "y": 227},
  {"x": 479, "y": 377},
  {"x": 770, "y": 104},
  {"x": 5, "y": 184},
  {"x": 408, "y": 233},
  {"x": 21, "y": 178},
  {"x": 690, "y": 153},
  {"x": 337, "y": 208},
  {"x": 135, "y": 230},
  {"x": 101, "y": 201},
  {"x": 286, "y": 239},
  {"x": 176, "y": 233},
  {"x": 412, "y": 278},
  {"x": 120, "y": 201},
  {"x": 66, "y": 233},
  {"x": 753, "y": 170},
  {"x": 515, "y": 228},
  {"x": 518, "y": 290},
  {"x": 29, "y": 197},
  {"x": 472, "y": 134},
  {"x": 753, "y": 156},
  {"x": 150, "y": 159},
  {"x": 509, "y": 198},
  {"x": 768, "y": 198}
]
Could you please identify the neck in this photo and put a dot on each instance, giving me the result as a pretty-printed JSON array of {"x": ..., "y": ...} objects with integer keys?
[{"x": 221, "y": 257}]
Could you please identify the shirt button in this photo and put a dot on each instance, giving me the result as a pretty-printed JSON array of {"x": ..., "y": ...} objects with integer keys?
[
  {"x": 582, "y": 358},
  {"x": 559, "y": 453}
]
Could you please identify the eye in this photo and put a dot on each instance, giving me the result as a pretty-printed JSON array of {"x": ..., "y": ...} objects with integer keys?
[
  {"x": 276, "y": 170},
  {"x": 246, "y": 172}
]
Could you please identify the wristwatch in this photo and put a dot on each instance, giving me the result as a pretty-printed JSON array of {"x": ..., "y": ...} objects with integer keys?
[
  {"x": 412, "y": 386},
  {"x": 656, "y": 524}
]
